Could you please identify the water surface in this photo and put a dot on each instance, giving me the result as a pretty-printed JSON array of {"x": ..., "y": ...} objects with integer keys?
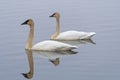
[{"x": 100, "y": 61}]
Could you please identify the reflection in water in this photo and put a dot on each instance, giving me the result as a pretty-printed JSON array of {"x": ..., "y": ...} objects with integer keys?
[
  {"x": 78, "y": 42},
  {"x": 55, "y": 61},
  {"x": 29, "y": 75},
  {"x": 53, "y": 57}
]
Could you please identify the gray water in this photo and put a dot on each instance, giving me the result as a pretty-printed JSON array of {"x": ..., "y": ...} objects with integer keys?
[{"x": 100, "y": 61}]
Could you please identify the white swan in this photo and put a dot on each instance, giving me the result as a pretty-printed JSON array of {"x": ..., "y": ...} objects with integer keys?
[
  {"x": 68, "y": 35},
  {"x": 45, "y": 45}
]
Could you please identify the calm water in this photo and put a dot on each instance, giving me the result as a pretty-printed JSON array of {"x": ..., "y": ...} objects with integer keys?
[{"x": 100, "y": 61}]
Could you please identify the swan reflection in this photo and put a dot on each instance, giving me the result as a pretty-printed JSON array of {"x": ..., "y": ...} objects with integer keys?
[
  {"x": 53, "y": 57},
  {"x": 29, "y": 74},
  {"x": 55, "y": 61},
  {"x": 78, "y": 42}
]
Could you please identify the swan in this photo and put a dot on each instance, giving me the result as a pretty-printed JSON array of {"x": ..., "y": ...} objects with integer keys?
[
  {"x": 47, "y": 45},
  {"x": 68, "y": 35}
]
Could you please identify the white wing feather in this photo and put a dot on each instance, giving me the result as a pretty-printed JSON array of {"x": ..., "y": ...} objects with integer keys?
[
  {"x": 52, "y": 46},
  {"x": 74, "y": 35}
]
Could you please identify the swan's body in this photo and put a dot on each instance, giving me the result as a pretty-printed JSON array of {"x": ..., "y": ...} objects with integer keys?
[
  {"x": 45, "y": 45},
  {"x": 52, "y": 46},
  {"x": 74, "y": 35},
  {"x": 69, "y": 35}
]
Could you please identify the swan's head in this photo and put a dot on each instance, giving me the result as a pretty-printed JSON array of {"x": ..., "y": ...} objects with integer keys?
[
  {"x": 56, "y": 15},
  {"x": 29, "y": 22}
]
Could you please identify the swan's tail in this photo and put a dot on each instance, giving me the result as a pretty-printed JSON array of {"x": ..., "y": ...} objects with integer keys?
[
  {"x": 72, "y": 47},
  {"x": 88, "y": 35},
  {"x": 92, "y": 34}
]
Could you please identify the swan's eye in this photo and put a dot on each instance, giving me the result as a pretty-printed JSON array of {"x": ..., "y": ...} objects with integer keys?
[{"x": 54, "y": 14}]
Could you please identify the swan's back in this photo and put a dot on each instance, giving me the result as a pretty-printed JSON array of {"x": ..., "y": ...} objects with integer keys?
[
  {"x": 52, "y": 46},
  {"x": 74, "y": 35}
]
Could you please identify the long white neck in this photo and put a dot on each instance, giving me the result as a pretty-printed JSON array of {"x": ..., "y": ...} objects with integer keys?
[
  {"x": 57, "y": 32},
  {"x": 57, "y": 26},
  {"x": 30, "y": 38}
]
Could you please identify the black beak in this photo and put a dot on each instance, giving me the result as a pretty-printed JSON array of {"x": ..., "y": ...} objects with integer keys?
[
  {"x": 52, "y": 15},
  {"x": 25, "y": 22}
]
